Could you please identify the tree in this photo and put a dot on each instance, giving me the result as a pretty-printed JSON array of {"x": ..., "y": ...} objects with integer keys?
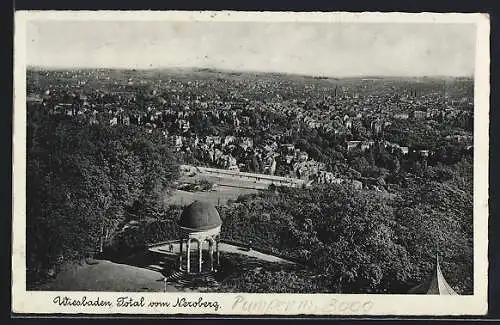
[
  {"x": 345, "y": 235},
  {"x": 361, "y": 241},
  {"x": 437, "y": 218},
  {"x": 358, "y": 252},
  {"x": 360, "y": 164},
  {"x": 81, "y": 181}
]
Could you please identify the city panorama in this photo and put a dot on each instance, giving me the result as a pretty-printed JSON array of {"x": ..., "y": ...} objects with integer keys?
[{"x": 217, "y": 179}]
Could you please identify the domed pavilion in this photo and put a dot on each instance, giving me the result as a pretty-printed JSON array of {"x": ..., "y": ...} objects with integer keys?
[{"x": 200, "y": 223}]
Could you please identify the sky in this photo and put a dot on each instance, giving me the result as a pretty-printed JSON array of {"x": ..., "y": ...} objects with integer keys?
[{"x": 327, "y": 49}]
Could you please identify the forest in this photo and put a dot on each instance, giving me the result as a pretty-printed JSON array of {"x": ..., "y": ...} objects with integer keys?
[
  {"x": 84, "y": 183},
  {"x": 349, "y": 241},
  {"x": 94, "y": 189}
]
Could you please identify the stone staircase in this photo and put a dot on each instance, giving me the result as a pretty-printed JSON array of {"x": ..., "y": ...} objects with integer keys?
[
  {"x": 176, "y": 277},
  {"x": 158, "y": 266},
  {"x": 180, "y": 278},
  {"x": 184, "y": 279}
]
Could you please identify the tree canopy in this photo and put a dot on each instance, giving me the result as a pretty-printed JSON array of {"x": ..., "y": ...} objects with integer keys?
[
  {"x": 362, "y": 241},
  {"x": 83, "y": 180}
]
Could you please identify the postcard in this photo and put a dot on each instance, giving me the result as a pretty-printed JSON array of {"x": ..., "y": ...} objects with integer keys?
[{"x": 250, "y": 163}]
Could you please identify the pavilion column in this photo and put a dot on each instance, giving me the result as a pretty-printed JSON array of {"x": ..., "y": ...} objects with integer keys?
[
  {"x": 211, "y": 254},
  {"x": 181, "y": 241},
  {"x": 189, "y": 255},
  {"x": 200, "y": 247},
  {"x": 217, "y": 251}
]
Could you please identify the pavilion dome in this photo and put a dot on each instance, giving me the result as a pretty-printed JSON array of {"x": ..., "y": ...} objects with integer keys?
[{"x": 199, "y": 216}]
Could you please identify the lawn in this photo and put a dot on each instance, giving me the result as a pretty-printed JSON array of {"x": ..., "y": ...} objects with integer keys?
[
  {"x": 106, "y": 276},
  {"x": 221, "y": 196}
]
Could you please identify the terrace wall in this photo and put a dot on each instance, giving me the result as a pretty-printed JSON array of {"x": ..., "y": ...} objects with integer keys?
[{"x": 261, "y": 178}]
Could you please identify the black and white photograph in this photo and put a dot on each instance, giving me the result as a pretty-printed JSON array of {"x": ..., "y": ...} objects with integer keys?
[{"x": 223, "y": 154}]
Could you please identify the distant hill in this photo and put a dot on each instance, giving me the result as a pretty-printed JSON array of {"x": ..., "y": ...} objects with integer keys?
[{"x": 245, "y": 73}]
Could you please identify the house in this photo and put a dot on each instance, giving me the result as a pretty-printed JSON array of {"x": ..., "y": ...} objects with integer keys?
[
  {"x": 270, "y": 166},
  {"x": 376, "y": 126},
  {"x": 301, "y": 172},
  {"x": 244, "y": 146},
  {"x": 177, "y": 141},
  {"x": 401, "y": 116},
  {"x": 229, "y": 139},
  {"x": 289, "y": 159},
  {"x": 350, "y": 145},
  {"x": 231, "y": 161},
  {"x": 93, "y": 120},
  {"x": 301, "y": 155},
  {"x": 423, "y": 153},
  {"x": 126, "y": 120},
  {"x": 419, "y": 114},
  {"x": 267, "y": 148},
  {"x": 217, "y": 154},
  {"x": 183, "y": 125},
  {"x": 365, "y": 145},
  {"x": 391, "y": 145},
  {"x": 209, "y": 140},
  {"x": 247, "y": 142},
  {"x": 325, "y": 177},
  {"x": 211, "y": 155},
  {"x": 288, "y": 147},
  {"x": 217, "y": 140},
  {"x": 64, "y": 108}
]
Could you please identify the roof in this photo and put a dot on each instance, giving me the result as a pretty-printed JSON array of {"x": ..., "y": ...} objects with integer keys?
[
  {"x": 436, "y": 285},
  {"x": 200, "y": 216}
]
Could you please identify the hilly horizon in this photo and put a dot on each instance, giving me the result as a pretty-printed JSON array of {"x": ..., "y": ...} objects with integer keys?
[{"x": 245, "y": 72}]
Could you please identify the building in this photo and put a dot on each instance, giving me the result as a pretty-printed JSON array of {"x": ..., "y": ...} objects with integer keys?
[
  {"x": 183, "y": 125},
  {"x": 301, "y": 155},
  {"x": 423, "y": 153},
  {"x": 435, "y": 285},
  {"x": 288, "y": 147},
  {"x": 217, "y": 140},
  {"x": 366, "y": 145},
  {"x": 177, "y": 141},
  {"x": 419, "y": 114},
  {"x": 352, "y": 144},
  {"x": 270, "y": 165},
  {"x": 199, "y": 222},
  {"x": 401, "y": 116},
  {"x": 376, "y": 126},
  {"x": 247, "y": 142},
  {"x": 229, "y": 139}
]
